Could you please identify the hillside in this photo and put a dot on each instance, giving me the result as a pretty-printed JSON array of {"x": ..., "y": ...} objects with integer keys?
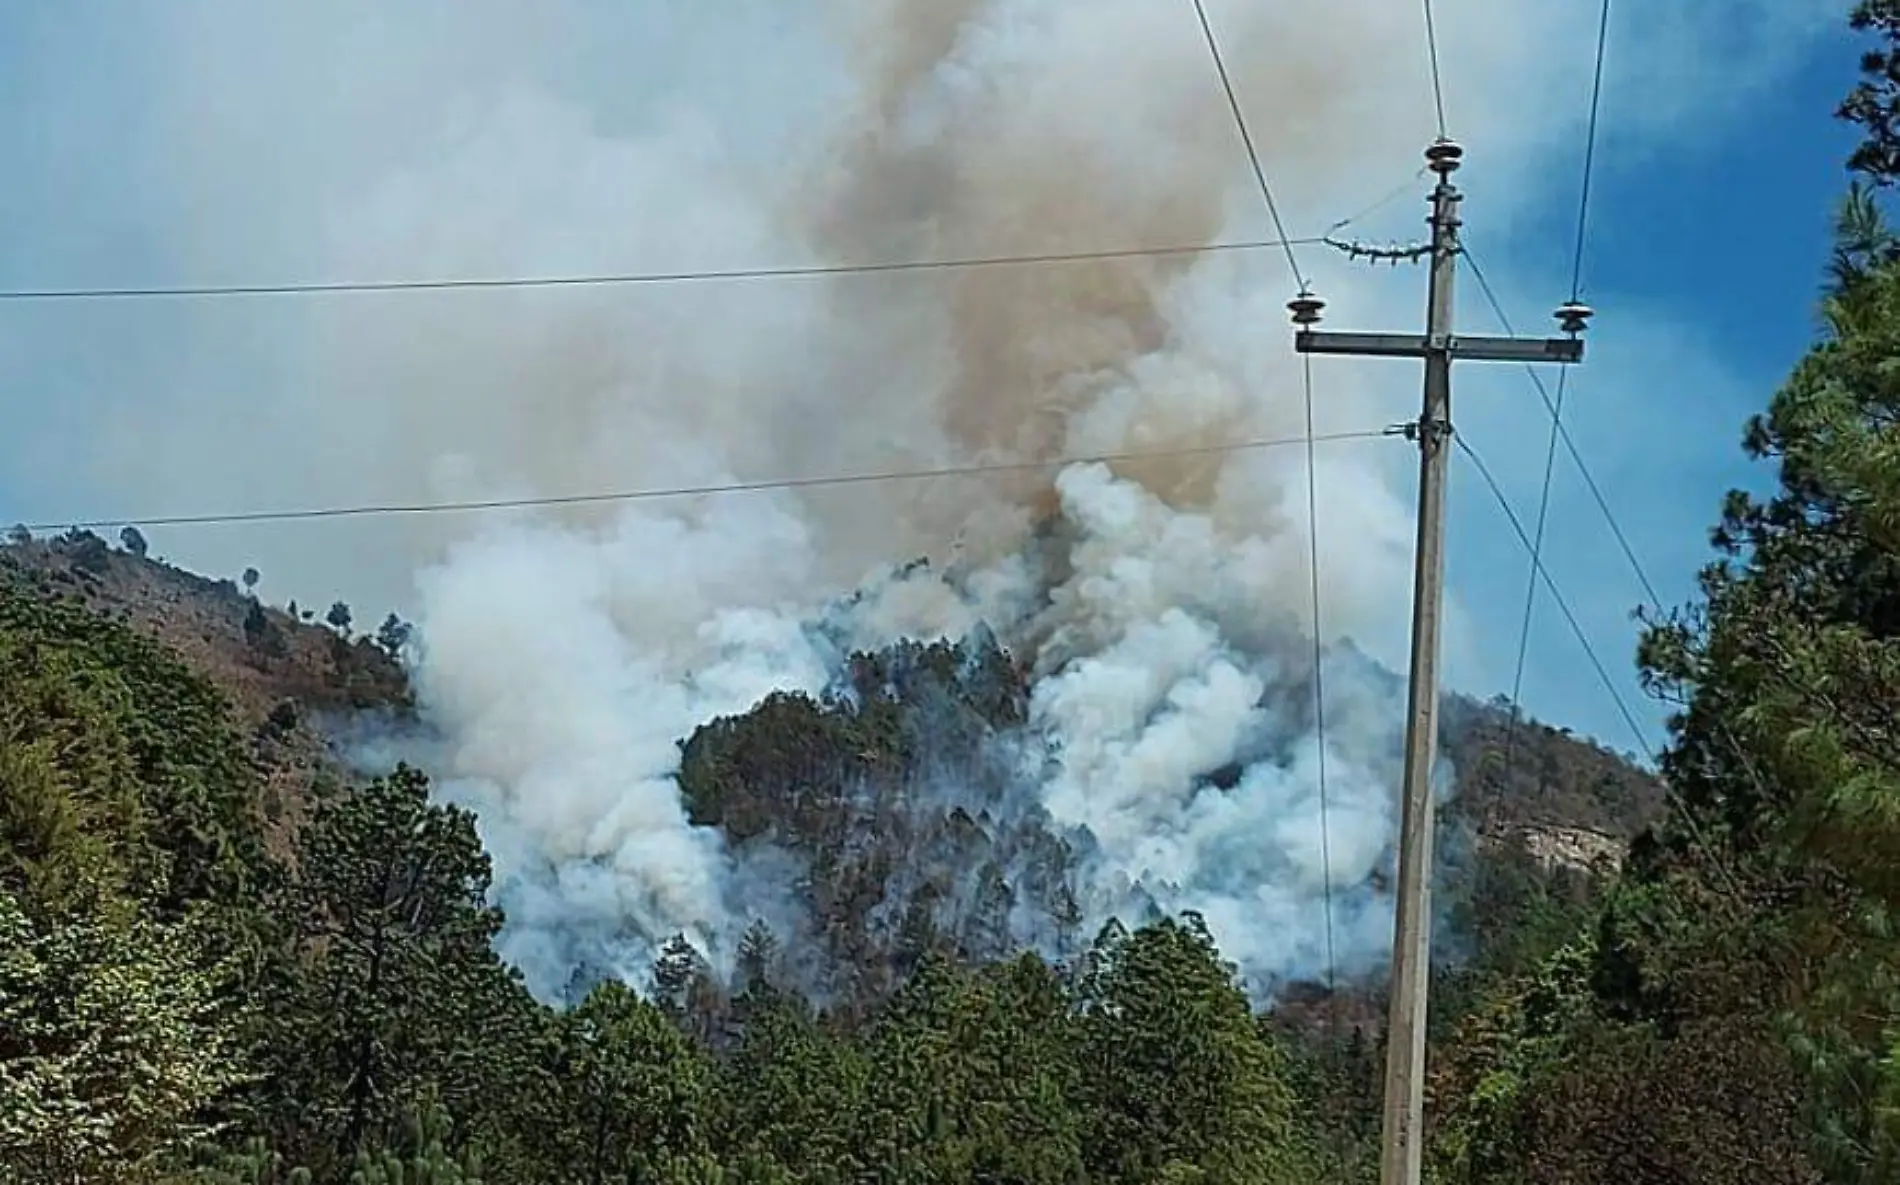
[
  {"x": 1050, "y": 905},
  {"x": 289, "y": 682},
  {"x": 245, "y": 812},
  {"x": 832, "y": 780}
]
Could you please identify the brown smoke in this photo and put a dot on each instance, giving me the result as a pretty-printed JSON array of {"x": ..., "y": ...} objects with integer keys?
[{"x": 956, "y": 148}]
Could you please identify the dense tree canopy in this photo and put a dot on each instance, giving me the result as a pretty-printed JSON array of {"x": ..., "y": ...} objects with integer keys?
[{"x": 188, "y": 998}]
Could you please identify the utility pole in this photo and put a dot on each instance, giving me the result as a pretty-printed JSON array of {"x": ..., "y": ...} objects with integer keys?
[{"x": 1401, "y": 1158}]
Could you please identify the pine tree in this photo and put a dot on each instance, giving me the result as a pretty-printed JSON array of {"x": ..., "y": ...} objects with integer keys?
[
  {"x": 1174, "y": 1072},
  {"x": 401, "y": 990},
  {"x": 1874, "y": 104},
  {"x": 393, "y": 635},
  {"x": 970, "y": 1077},
  {"x": 794, "y": 1092},
  {"x": 117, "y": 1035},
  {"x": 638, "y": 1094},
  {"x": 758, "y": 957}
]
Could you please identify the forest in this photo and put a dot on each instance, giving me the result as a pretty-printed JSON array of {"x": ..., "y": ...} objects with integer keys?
[{"x": 205, "y": 981}]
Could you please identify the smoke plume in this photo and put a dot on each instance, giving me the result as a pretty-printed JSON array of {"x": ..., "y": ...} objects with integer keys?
[
  {"x": 563, "y": 656},
  {"x": 563, "y": 659}
]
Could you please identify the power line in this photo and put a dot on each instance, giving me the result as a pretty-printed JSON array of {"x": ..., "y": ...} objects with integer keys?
[
  {"x": 1530, "y": 590},
  {"x": 653, "y": 278},
  {"x": 1312, "y": 495},
  {"x": 1246, "y": 138},
  {"x": 1319, "y": 693},
  {"x": 1696, "y": 835},
  {"x": 1570, "y": 444},
  {"x": 1438, "y": 82},
  {"x": 1590, "y": 149},
  {"x": 1563, "y": 383},
  {"x": 711, "y": 275},
  {"x": 670, "y": 492},
  {"x": 1550, "y": 585},
  {"x": 1397, "y": 192}
]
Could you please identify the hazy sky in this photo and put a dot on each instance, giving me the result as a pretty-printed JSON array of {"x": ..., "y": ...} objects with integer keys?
[{"x": 231, "y": 141}]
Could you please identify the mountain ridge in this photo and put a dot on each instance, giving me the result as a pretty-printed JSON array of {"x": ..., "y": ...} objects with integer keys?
[{"x": 824, "y": 777}]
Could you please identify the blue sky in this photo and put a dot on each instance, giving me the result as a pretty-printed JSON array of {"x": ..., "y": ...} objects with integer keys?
[
  {"x": 212, "y": 144},
  {"x": 1727, "y": 233}
]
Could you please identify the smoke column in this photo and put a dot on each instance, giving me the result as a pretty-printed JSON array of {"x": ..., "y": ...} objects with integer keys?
[{"x": 563, "y": 658}]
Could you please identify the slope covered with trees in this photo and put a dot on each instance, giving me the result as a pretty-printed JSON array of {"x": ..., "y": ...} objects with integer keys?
[
  {"x": 198, "y": 986},
  {"x": 220, "y": 963}
]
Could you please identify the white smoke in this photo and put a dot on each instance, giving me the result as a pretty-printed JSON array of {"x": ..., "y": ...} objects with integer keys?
[
  {"x": 564, "y": 656},
  {"x": 564, "y": 659},
  {"x": 1162, "y": 671},
  {"x": 547, "y": 667}
]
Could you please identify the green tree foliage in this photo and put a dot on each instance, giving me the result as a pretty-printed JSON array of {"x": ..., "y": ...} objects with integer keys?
[
  {"x": 421, "y": 1156},
  {"x": 792, "y": 1090},
  {"x": 1553, "y": 1083},
  {"x": 638, "y": 1096},
  {"x": 118, "y": 762},
  {"x": 130, "y": 863},
  {"x": 116, "y": 1035},
  {"x": 1874, "y": 104},
  {"x": 971, "y": 1078},
  {"x": 1175, "y": 1072},
  {"x": 398, "y": 989},
  {"x": 1789, "y": 672}
]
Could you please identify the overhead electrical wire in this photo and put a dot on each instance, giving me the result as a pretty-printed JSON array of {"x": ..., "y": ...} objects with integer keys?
[
  {"x": 1563, "y": 434},
  {"x": 1438, "y": 81},
  {"x": 1543, "y": 575},
  {"x": 1590, "y": 149},
  {"x": 1654, "y": 598},
  {"x": 1563, "y": 382},
  {"x": 1696, "y": 834},
  {"x": 697, "y": 276},
  {"x": 1312, "y": 508},
  {"x": 713, "y": 275},
  {"x": 1246, "y": 139},
  {"x": 1392, "y": 195},
  {"x": 659, "y": 493},
  {"x": 1319, "y": 683}
]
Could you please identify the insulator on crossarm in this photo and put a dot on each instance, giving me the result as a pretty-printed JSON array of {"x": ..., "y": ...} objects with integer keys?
[
  {"x": 1306, "y": 309},
  {"x": 1574, "y": 317}
]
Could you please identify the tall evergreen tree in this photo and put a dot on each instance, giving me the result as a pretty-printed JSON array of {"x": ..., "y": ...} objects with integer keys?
[
  {"x": 1175, "y": 1073},
  {"x": 638, "y": 1095},
  {"x": 971, "y": 1078},
  {"x": 793, "y": 1091},
  {"x": 399, "y": 988}
]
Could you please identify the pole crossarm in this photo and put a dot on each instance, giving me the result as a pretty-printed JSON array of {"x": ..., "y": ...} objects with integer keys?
[
  {"x": 1460, "y": 347},
  {"x": 1401, "y": 1160}
]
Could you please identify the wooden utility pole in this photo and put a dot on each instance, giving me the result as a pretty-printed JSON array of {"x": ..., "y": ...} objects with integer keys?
[{"x": 1401, "y": 1159}]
